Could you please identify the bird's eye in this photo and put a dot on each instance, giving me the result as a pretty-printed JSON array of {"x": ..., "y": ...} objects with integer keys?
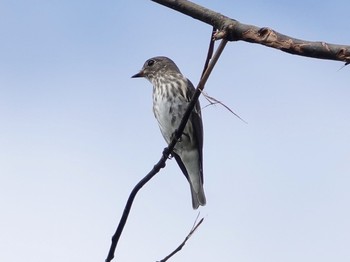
[{"x": 150, "y": 62}]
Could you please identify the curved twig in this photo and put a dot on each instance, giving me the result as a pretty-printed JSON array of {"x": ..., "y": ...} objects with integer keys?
[{"x": 194, "y": 228}]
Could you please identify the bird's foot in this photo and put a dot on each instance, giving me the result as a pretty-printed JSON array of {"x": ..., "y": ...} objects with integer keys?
[{"x": 167, "y": 153}]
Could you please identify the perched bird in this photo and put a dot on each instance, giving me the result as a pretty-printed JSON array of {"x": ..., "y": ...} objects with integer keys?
[{"x": 172, "y": 93}]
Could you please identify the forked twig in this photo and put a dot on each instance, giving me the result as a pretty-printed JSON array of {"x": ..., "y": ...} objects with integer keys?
[{"x": 214, "y": 101}]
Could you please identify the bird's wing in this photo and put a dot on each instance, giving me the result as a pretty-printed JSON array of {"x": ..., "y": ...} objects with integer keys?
[
  {"x": 181, "y": 165},
  {"x": 197, "y": 124}
]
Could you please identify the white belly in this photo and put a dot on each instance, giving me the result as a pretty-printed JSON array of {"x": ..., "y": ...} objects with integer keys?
[{"x": 169, "y": 115}]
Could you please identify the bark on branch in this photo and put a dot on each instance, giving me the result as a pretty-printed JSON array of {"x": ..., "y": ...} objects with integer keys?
[{"x": 234, "y": 31}]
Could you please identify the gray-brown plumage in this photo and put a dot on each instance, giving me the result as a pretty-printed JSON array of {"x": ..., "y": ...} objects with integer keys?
[{"x": 172, "y": 93}]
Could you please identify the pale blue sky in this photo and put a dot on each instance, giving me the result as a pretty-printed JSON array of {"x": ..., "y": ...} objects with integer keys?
[{"x": 77, "y": 133}]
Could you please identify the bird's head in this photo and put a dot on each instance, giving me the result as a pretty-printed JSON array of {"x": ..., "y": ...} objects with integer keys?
[{"x": 155, "y": 66}]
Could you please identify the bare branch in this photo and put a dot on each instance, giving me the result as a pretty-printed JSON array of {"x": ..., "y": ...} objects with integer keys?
[{"x": 265, "y": 36}]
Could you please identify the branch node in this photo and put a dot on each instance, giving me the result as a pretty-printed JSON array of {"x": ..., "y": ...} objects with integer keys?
[
  {"x": 219, "y": 35},
  {"x": 229, "y": 30},
  {"x": 264, "y": 32},
  {"x": 342, "y": 54}
]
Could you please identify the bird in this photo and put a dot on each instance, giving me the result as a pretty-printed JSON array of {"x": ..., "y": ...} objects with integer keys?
[{"x": 172, "y": 92}]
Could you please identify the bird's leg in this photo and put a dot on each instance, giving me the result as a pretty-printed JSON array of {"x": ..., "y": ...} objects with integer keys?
[
  {"x": 173, "y": 136},
  {"x": 167, "y": 154}
]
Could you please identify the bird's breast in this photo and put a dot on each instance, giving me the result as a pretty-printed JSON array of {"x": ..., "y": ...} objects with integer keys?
[{"x": 168, "y": 111}]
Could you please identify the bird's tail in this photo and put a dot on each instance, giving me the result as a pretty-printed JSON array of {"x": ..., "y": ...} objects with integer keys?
[
  {"x": 193, "y": 174},
  {"x": 198, "y": 196}
]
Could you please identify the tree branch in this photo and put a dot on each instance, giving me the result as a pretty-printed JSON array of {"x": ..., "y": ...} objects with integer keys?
[{"x": 264, "y": 35}]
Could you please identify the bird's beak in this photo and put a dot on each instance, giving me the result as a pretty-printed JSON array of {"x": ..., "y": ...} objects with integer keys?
[{"x": 139, "y": 74}]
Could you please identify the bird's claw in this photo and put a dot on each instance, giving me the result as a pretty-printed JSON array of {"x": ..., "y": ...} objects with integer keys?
[{"x": 167, "y": 154}]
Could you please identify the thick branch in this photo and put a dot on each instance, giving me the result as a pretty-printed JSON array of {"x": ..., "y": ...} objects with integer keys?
[{"x": 265, "y": 36}]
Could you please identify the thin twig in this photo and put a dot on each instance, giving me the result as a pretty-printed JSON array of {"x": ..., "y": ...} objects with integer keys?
[
  {"x": 166, "y": 151},
  {"x": 210, "y": 51},
  {"x": 214, "y": 101},
  {"x": 209, "y": 56},
  {"x": 194, "y": 228}
]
